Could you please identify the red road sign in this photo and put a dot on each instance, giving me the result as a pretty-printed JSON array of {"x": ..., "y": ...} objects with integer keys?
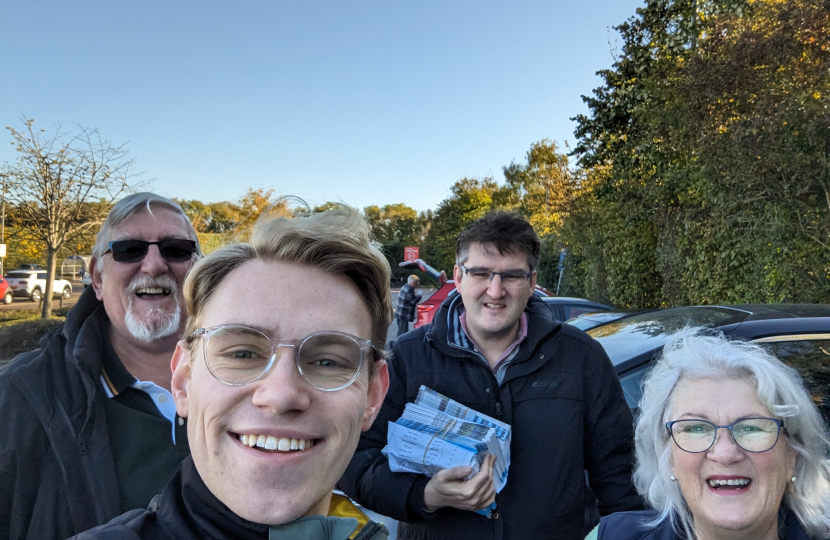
[{"x": 410, "y": 253}]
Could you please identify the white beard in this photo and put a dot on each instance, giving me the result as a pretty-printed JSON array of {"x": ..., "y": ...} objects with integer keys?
[{"x": 155, "y": 324}]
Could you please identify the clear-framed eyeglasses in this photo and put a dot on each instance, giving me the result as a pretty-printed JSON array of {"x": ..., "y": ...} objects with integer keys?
[
  {"x": 751, "y": 434},
  {"x": 237, "y": 355},
  {"x": 509, "y": 280}
]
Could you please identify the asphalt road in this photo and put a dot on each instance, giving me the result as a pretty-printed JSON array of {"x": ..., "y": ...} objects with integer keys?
[{"x": 24, "y": 303}]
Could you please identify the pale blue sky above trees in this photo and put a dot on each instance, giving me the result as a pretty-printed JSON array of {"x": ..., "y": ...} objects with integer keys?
[{"x": 372, "y": 102}]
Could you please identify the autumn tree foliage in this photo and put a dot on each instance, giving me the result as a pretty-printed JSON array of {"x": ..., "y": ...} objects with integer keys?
[{"x": 62, "y": 186}]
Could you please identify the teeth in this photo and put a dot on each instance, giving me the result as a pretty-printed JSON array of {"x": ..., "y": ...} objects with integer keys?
[
  {"x": 150, "y": 290},
  {"x": 730, "y": 482},
  {"x": 269, "y": 442}
]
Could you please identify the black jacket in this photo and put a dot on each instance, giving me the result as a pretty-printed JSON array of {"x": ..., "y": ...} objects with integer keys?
[
  {"x": 630, "y": 526},
  {"x": 566, "y": 408},
  {"x": 187, "y": 510},
  {"x": 57, "y": 475}
]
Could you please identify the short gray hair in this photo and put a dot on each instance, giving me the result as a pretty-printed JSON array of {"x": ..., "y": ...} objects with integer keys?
[
  {"x": 131, "y": 205},
  {"x": 688, "y": 355}
]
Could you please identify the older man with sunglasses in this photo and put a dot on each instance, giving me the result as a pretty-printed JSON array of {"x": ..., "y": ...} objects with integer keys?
[{"x": 89, "y": 424}]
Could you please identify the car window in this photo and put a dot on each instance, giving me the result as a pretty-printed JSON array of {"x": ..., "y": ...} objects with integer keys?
[
  {"x": 18, "y": 275},
  {"x": 572, "y": 310},
  {"x": 41, "y": 275},
  {"x": 632, "y": 385},
  {"x": 812, "y": 360},
  {"x": 810, "y": 357}
]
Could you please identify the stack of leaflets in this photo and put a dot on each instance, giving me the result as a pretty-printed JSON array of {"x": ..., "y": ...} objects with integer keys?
[{"x": 438, "y": 433}]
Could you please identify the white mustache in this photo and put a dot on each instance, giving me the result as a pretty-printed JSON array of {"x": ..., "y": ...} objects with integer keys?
[{"x": 163, "y": 282}]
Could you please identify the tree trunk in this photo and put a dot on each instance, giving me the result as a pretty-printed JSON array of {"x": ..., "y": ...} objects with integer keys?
[{"x": 51, "y": 263}]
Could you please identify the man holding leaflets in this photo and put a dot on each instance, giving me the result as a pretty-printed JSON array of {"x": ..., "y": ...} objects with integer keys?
[{"x": 495, "y": 349}]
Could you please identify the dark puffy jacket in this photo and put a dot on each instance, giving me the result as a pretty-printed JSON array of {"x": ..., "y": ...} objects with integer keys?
[
  {"x": 630, "y": 526},
  {"x": 187, "y": 510},
  {"x": 57, "y": 475},
  {"x": 567, "y": 413}
]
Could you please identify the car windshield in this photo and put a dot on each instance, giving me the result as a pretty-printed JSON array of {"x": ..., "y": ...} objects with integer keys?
[
  {"x": 631, "y": 336},
  {"x": 18, "y": 275}
]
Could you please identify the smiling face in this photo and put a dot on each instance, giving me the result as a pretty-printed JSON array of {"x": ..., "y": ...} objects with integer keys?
[
  {"x": 728, "y": 489},
  {"x": 493, "y": 311},
  {"x": 276, "y": 484},
  {"x": 144, "y": 299}
]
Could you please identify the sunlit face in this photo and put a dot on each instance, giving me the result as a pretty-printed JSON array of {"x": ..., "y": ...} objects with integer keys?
[
  {"x": 752, "y": 504},
  {"x": 144, "y": 299},
  {"x": 287, "y": 301},
  {"x": 493, "y": 311}
]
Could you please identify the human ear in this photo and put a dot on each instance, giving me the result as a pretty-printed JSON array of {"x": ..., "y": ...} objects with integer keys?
[
  {"x": 180, "y": 365},
  {"x": 97, "y": 280},
  {"x": 378, "y": 385},
  {"x": 532, "y": 283},
  {"x": 457, "y": 274}
]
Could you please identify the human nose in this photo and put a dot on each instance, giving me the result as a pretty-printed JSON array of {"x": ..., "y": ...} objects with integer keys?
[
  {"x": 724, "y": 449},
  {"x": 495, "y": 288},
  {"x": 283, "y": 389},
  {"x": 153, "y": 263}
]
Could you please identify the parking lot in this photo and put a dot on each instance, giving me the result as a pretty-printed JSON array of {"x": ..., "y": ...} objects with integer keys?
[{"x": 25, "y": 303}]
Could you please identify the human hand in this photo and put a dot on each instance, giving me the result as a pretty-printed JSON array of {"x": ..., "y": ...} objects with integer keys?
[{"x": 447, "y": 488}]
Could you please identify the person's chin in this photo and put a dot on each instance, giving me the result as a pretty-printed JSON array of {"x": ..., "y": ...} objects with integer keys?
[{"x": 278, "y": 507}]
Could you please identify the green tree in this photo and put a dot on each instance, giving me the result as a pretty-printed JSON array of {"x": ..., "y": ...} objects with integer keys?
[
  {"x": 705, "y": 158},
  {"x": 541, "y": 188},
  {"x": 469, "y": 200}
]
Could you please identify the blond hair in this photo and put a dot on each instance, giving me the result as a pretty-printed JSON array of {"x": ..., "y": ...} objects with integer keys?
[{"x": 335, "y": 241}]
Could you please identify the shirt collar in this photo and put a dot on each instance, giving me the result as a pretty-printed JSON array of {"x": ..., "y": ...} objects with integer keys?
[{"x": 510, "y": 349}]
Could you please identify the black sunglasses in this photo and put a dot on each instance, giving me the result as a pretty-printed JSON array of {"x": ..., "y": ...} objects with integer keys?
[{"x": 171, "y": 249}]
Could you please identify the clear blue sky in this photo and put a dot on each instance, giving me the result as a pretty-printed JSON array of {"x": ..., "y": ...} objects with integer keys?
[{"x": 367, "y": 102}]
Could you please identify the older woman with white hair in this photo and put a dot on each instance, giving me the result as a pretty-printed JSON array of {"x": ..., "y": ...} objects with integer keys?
[{"x": 728, "y": 445}]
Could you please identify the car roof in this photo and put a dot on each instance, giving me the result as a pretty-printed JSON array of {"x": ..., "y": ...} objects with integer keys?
[
  {"x": 573, "y": 300},
  {"x": 638, "y": 334}
]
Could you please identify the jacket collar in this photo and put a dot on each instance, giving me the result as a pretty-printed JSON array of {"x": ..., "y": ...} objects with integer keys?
[{"x": 188, "y": 504}]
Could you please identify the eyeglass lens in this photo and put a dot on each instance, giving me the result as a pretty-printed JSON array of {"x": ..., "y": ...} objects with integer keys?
[
  {"x": 238, "y": 355},
  {"x": 511, "y": 280},
  {"x": 171, "y": 249},
  {"x": 752, "y": 434}
]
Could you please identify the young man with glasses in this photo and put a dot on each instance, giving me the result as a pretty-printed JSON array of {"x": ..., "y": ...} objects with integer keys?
[
  {"x": 88, "y": 421},
  {"x": 278, "y": 374},
  {"x": 495, "y": 348}
]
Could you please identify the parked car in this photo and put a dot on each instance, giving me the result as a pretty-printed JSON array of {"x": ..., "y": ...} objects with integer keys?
[
  {"x": 86, "y": 279},
  {"x": 29, "y": 266},
  {"x": 565, "y": 307},
  {"x": 31, "y": 284},
  {"x": 590, "y": 319},
  {"x": 5, "y": 291},
  {"x": 798, "y": 334}
]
